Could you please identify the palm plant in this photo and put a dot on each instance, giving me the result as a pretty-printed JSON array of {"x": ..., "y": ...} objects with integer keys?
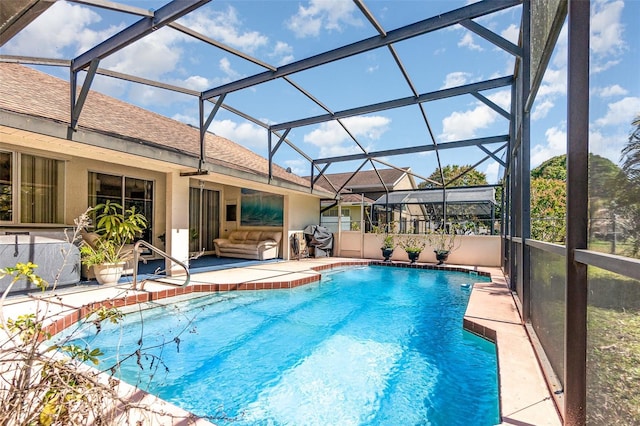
[
  {"x": 629, "y": 198},
  {"x": 631, "y": 152},
  {"x": 115, "y": 227}
]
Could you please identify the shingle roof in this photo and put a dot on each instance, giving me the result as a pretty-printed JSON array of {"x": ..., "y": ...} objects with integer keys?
[
  {"x": 363, "y": 179},
  {"x": 31, "y": 92},
  {"x": 355, "y": 198}
]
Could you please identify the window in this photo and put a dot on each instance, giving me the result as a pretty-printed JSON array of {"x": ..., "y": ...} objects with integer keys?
[
  {"x": 39, "y": 182},
  {"x": 41, "y": 190},
  {"x": 333, "y": 212},
  {"x": 6, "y": 198},
  {"x": 126, "y": 191}
]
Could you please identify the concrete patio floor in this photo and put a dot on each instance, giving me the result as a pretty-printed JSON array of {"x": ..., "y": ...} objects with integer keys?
[{"x": 492, "y": 313}]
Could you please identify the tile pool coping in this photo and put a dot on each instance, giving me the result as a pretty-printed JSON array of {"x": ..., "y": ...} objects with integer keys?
[{"x": 491, "y": 313}]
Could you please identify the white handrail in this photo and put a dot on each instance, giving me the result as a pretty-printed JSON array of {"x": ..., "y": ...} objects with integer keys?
[{"x": 136, "y": 256}]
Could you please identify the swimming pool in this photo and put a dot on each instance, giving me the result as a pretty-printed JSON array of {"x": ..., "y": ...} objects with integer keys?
[{"x": 366, "y": 346}]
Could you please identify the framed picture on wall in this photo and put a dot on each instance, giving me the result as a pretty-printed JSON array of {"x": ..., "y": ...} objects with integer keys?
[{"x": 259, "y": 208}]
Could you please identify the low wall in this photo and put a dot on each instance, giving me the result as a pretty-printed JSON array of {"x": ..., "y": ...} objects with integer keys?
[{"x": 475, "y": 250}]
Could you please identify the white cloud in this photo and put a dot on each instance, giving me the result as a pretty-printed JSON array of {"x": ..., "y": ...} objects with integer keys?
[
  {"x": 597, "y": 67},
  {"x": 559, "y": 59},
  {"x": 298, "y": 167},
  {"x": 226, "y": 27},
  {"x": 492, "y": 172},
  {"x": 454, "y": 79},
  {"x": 200, "y": 83},
  {"x": 609, "y": 145},
  {"x": 150, "y": 57},
  {"x": 555, "y": 144},
  {"x": 373, "y": 68},
  {"x": 467, "y": 41},
  {"x": 502, "y": 99},
  {"x": 225, "y": 67},
  {"x": 621, "y": 112},
  {"x": 512, "y": 33},
  {"x": 541, "y": 109},
  {"x": 196, "y": 82},
  {"x": 282, "y": 52},
  {"x": 187, "y": 119},
  {"x": 329, "y": 15},
  {"x": 329, "y": 136},
  {"x": 552, "y": 88},
  {"x": 463, "y": 124},
  {"x": 606, "y": 28},
  {"x": 614, "y": 90},
  {"x": 554, "y": 83},
  {"x": 247, "y": 134},
  {"x": 61, "y": 32}
]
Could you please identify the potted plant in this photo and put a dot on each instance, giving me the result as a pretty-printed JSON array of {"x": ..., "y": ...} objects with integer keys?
[
  {"x": 108, "y": 248},
  {"x": 443, "y": 243},
  {"x": 388, "y": 244},
  {"x": 413, "y": 244},
  {"x": 388, "y": 241}
]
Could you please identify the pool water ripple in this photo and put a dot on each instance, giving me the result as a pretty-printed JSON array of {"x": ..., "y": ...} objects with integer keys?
[{"x": 371, "y": 346}]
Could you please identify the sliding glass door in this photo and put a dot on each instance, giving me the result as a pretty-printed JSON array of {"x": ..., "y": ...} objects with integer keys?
[
  {"x": 204, "y": 219},
  {"x": 126, "y": 191}
]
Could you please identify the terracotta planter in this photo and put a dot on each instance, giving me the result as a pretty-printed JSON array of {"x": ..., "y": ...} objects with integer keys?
[{"x": 108, "y": 273}]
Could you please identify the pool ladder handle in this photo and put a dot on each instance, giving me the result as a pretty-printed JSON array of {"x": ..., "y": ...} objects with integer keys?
[{"x": 136, "y": 258}]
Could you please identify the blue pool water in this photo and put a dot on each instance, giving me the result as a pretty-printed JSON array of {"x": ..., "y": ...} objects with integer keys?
[{"x": 367, "y": 346}]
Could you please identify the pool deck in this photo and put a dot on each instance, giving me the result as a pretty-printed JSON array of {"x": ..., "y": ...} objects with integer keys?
[{"x": 492, "y": 313}]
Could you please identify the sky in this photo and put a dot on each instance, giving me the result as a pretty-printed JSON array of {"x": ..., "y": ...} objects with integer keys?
[{"x": 280, "y": 32}]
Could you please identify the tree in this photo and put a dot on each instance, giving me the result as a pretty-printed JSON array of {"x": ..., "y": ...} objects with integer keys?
[
  {"x": 629, "y": 185},
  {"x": 548, "y": 210},
  {"x": 631, "y": 153},
  {"x": 553, "y": 168},
  {"x": 603, "y": 176},
  {"x": 471, "y": 177}
]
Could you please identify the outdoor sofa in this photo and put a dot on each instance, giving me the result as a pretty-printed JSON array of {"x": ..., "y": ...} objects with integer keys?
[{"x": 258, "y": 245}]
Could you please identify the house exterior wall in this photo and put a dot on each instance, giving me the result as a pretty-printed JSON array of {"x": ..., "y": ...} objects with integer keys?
[
  {"x": 301, "y": 210},
  {"x": 170, "y": 195},
  {"x": 405, "y": 182}
]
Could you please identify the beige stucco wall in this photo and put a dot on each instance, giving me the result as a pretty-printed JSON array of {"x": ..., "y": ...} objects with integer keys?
[
  {"x": 476, "y": 250},
  {"x": 405, "y": 182},
  {"x": 77, "y": 188},
  {"x": 300, "y": 209}
]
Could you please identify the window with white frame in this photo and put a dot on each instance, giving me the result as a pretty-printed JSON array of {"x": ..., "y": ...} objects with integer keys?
[
  {"x": 333, "y": 212},
  {"x": 40, "y": 183}
]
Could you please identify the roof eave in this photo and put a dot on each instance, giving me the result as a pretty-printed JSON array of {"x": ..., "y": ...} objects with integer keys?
[{"x": 166, "y": 155}]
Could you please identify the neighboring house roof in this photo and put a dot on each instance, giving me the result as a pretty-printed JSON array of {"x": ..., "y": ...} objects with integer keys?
[
  {"x": 348, "y": 198},
  {"x": 484, "y": 194},
  {"x": 24, "y": 90},
  {"x": 477, "y": 200},
  {"x": 364, "y": 180}
]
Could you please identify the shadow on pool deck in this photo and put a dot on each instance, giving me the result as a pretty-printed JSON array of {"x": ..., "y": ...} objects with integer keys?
[{"x": 491, "y": 312}]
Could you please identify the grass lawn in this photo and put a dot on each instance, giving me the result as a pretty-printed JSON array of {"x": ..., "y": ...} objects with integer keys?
[{"x": 613, "y": 367}]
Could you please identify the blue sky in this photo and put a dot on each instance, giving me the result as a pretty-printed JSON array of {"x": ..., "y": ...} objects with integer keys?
[{"x": 280, "y": 32}]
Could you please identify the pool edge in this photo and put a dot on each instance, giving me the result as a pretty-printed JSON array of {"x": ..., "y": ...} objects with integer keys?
[{"x": 491, "y": 313}]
